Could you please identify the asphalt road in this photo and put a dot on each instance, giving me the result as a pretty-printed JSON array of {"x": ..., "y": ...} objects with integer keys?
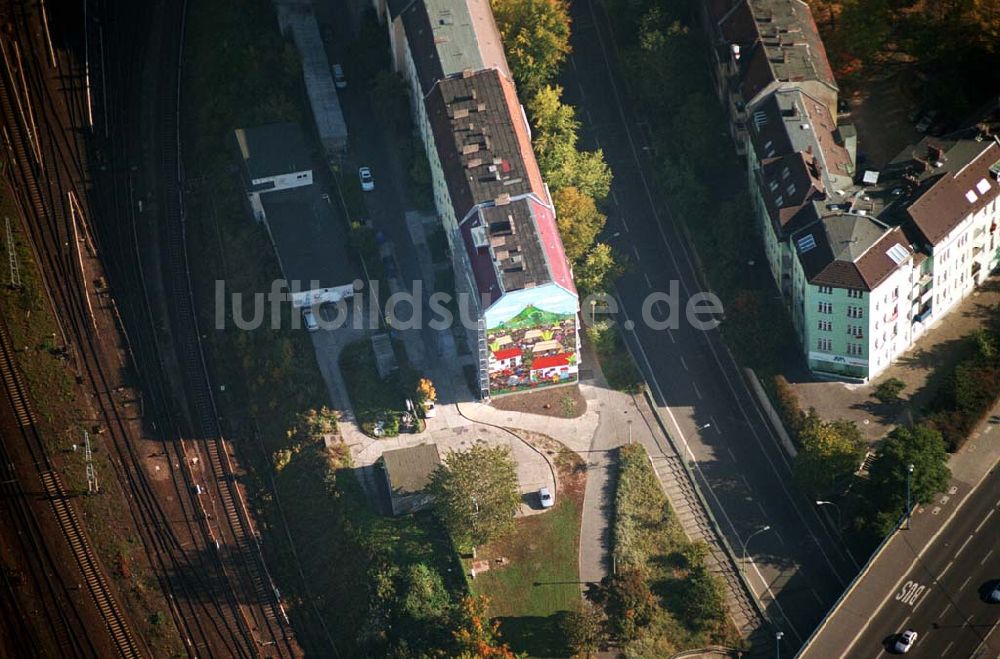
[
  {"x": 797, "y": 567},
  {"x": 943, "y": 595}
]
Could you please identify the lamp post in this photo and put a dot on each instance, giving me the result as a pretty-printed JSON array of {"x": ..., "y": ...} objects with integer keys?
[
  {"x": 703, "y": 427},
  {"x": 747, "y": 541},
  {"x": 909, "y": 475},
  {"x": 840, "y": 525},
  {"x": 778, "y": 635}
]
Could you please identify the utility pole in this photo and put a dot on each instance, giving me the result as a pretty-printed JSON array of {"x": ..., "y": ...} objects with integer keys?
[
  {"x": 15, "y": 269},
  {"x": 92, "y": 486}
]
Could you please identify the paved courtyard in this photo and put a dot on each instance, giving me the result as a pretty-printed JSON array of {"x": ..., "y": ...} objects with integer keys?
[{"x": 939, "y": 346}]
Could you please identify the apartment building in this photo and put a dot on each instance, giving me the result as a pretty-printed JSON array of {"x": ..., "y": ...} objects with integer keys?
[
  {"x": 489, "y": 194},
  {"x": 763, "y": 46},
  {"x": 865, "y": 261}
]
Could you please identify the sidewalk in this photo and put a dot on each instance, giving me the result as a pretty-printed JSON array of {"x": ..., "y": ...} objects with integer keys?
[{"x": 968, "y": 467}]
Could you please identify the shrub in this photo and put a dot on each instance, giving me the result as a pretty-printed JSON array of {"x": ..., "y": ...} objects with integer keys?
[{"x": 889, "y": 390}]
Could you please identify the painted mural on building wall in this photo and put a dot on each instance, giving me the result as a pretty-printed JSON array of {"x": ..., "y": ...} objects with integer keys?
[{"x": 532, "y": 341}]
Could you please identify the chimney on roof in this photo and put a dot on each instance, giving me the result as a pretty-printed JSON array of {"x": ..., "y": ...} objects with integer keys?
[
  {"x": 468, "y": 73},
  {"x": 922, "y": 165},
  {"x": 502, "y": 200},
  {"x": 934, "y": 153},
  {"x": 809, "y": 149}
]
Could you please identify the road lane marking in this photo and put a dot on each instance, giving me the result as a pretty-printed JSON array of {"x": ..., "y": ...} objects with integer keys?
[
  {"x": 671, "y": 335},
  {"x": 965, "y": 583},
  {"x": 946, "y": 648},
  {"x": 922, "y": 599},
  {"x": 731, "y": 454},
  {"x": 614, "y": 197},
  {"x": 874, "y": 559},
  {"x": 910, "y": 592},
  {"x": 945, "y": 609},
  {"x": 964, "y": 545},
  {"x": 985, "y": 519},
  {"x": 636, "y": 252},
  {"x": 624, "y": 224},
  {"x": 983, "y": 562},
  {"x": 696, "y": 392},
  {"x": 946, "y": 568},
  {"x": 649, "y": 284},
  {"x": 715, "y": 425},
  {"x": 683, "y": 363}
]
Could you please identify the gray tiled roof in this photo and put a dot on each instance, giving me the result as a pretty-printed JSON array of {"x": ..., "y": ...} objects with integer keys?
[{"x": 273, "y": 149}]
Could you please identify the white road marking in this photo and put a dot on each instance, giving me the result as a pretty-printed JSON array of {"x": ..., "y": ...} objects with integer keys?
[
  {"x": 614, "y": 197},
  {"x": 731, "y": 454},
  {"x": 671, "y": 335},
  {"x": 624, "y": 224},
  {"x": 715, "y": 425},
  {"x": 683, "y": 363},
  {"x": 988, "y": 554},
  {"x": 636, "y": 252},
  {"x": 945, "y": 609},
  {"x": 946, "y": 568},
  {"x": 964, "y": 544},
  {"x": 696, "y": 392},
  {"x": 946, "y": 648},
  {"x": 992, "y": 510},
  {"x": 965, "y": 583}
]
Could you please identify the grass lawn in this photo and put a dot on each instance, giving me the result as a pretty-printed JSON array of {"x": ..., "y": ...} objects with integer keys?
[{"x": 541, "y": 582}]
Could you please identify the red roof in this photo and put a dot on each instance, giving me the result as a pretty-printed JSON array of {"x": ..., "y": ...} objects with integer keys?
[
  {"x": 507, "y": 354},
  {"x": 561, "y": 359}
]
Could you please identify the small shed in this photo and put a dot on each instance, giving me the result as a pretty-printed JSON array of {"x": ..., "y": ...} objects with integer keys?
[{"x": 407, "y": 473}]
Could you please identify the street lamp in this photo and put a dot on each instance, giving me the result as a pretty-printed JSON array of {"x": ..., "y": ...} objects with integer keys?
[
  {"x": 747, "y": 541},
  {"x": 909, "y": 475},
  {"x": 840, "y": 525},
  {"x": 707, "y": 425},
  {"x": 778, "y": 635}
]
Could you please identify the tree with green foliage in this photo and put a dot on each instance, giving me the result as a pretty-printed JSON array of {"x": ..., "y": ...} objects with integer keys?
[
  {"x": 426, "y": 598},
  {"x": 829, "y": 453},
  {"x": 476, "y": 493},
  {"x": 535, "y": 36},
  {"x": 628, "y": 602},
  {"x": 578, "y": 219},
  {"x": 702, "y": 603},
  {"x": 554, "y": 125},
  {"x": 888, "y": 391},
  {"x": 584, "y": 629},
  {"x": 924, "y": 448},
  {"x": 598, "y": 270}
]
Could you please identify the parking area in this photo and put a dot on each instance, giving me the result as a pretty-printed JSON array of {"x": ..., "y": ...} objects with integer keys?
[{"x": 918, "y": 368}]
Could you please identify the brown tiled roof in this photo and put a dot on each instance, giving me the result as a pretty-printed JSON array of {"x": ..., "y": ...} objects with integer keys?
[
  {"x": 779, "y": 41},
  {"x": 941, "y": 201},
  {"x": 849, "y": 251},
  {"x": 500, "y": 200}
]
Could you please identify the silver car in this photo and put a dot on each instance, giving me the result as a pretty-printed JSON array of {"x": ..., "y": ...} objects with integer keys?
[
  {"x": 366, "y": 178},
  {"x": 905, "y": 641}
]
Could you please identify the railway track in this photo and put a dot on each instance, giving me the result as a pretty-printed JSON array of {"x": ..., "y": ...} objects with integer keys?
[
  {"x": 196, "y": 607},
  {"x": 238, "y": 610},
  {"x": 73, "y": 533}
]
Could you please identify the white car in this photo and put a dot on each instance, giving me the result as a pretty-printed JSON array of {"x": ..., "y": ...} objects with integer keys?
[
  {"x": 338, "y": 77},
  {"x": 905, "y": 641},
  {"x": 994, "y": 595},
  {"x": 546, "y": 498},
  {"x": 310, "y": 319},
  {"x": 366, "y": 178}
]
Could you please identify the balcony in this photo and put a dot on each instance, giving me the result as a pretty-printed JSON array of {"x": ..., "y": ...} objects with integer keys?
[{"x": 925, "y": 313}]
